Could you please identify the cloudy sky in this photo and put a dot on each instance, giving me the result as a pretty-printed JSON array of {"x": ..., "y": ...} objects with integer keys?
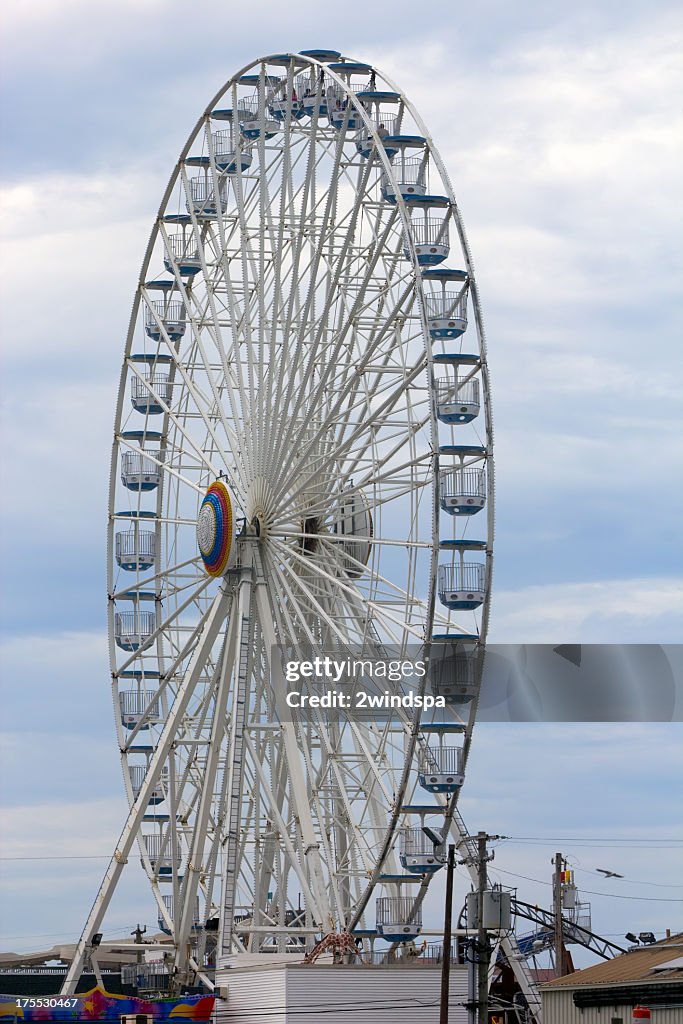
[{"x": 560, "y": 127}]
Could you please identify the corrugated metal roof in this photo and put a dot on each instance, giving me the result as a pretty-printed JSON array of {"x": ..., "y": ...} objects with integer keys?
[{"x": 634, "y": 966}]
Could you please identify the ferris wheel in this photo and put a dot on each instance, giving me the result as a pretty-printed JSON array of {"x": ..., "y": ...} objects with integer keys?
[{"x": 302, "y": 455}]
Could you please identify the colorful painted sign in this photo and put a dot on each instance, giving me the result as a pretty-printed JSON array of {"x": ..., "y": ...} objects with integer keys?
[{"x": 97, "y": 1004}]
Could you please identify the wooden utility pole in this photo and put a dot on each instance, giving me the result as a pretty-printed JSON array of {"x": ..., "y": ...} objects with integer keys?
[
  {"x": 482, "y": 936},
  {"x": 559, "y": 862},
  {"x": 448, "y": 917}
]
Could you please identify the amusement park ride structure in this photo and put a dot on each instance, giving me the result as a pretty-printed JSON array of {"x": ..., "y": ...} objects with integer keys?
[{"x": 302, "y": 455}]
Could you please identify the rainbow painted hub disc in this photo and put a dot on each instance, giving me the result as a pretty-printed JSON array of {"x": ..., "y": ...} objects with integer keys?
[{"x": 215, "y": 529}]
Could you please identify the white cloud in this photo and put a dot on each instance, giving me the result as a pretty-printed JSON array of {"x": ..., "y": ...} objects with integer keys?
[
  {"x": 51, "y": 897},
  {"x": 626, "y": 610},
  {"x": 566, "y": 158},
  {"x": 61, "y": 432},
  {"x": 63, "y": 205},
  {"x": 565, "y": 163},
  {"x": 56, "y": 829},
  {"x": 52, "y": 659}
]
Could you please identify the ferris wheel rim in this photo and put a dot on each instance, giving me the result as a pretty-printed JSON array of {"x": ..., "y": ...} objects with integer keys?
[{"x": 157, "y": 229}]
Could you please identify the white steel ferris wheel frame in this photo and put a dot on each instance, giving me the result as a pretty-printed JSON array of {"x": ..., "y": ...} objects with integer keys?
[{"x": 283, "y": 828}]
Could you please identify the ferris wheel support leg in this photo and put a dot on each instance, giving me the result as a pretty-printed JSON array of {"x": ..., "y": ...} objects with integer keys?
[
  {"x": 96, "y": 971},
  {"x": 311, "y": 846},
  {"x": 242, "y": 644},
  {"x": 214, "y": 620},
  {"x": 194, "y": 865}
]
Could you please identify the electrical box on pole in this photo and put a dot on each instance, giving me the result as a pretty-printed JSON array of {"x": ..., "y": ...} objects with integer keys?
[{"x": 491, "y": 910}]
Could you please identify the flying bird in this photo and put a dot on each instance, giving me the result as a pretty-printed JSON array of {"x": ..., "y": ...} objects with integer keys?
[{"x": 608, "y": 874}]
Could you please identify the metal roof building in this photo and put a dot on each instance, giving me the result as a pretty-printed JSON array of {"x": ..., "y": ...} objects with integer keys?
[{"x": 606, "y": 993}]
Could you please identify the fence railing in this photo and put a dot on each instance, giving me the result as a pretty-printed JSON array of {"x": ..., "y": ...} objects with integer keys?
[
  {"x": 447, "y": 306},
  {"x": 134, "y": 702},
  {"x": 442, "y": 761},
  {"x": 141, "y": 544},
  {"x": 153, "y": 845},
  {"x": 383, "y": 125},
  {"x": 454, "y": 393},
  {"x": 463, "y": 576},
  {"x": 202, "y": 192},
  {"x": 139, "y": 464},
  {"x": 183, "y": 247},
  {"x": 410, "y": 171},
  {"x": 428, "y": 230},
  {"x": 414, "y": 843},
  {"x": 135, "y": 626},
  {"x": 167, "y": 312},
  {"x": 159, "y": 382},
  {"x": 397, "y": 910},
  {"x": 137, "y": 778},
  {"x": 469, "y": 482}
]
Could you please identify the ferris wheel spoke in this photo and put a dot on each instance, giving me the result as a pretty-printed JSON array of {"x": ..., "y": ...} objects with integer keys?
[
  {"x": 415, "y": 428},
  {"x": 355, "y": 395},
  {"x": 344, "y": 589},
  {"x": 313, "y": 603},
  {"x": 200, "y": 404},
  {"x": 357, "y": 376},
  {"x": 347, "y": 559},
  {"x": 160, "y": 463},
  {"x": 163, "y": 628},
  {"x": 249, "y": 266},
  {"x": 412, "y": 628},
  {"x": 378, "y": 414},
  {"x": 338, "y": 345},
  {"x": 288, "y": 628},
  {"x": 215, "y": 332},
  {"x": 374, "y": 540},
  {"x": 342, "y": 449},
  {"x": 286, "y": 398},
  {"x": 168, "y": 573}
]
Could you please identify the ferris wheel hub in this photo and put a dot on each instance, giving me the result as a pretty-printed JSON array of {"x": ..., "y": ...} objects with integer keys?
[{"x": 216, "y": 529}]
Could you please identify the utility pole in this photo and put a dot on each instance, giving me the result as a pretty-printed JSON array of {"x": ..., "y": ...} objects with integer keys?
[
  {"x": 448, "y": 916},
  {"x": 559, "y": 863},
  {"x": 478, "y": 914},
  {"x": 482, "y": 935}
]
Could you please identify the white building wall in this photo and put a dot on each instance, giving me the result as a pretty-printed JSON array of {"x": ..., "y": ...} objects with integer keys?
[
  {"x": 558, "y": 1008},
  {"x": 390, "y": 995},
  {"x": 257, "y": 995}
]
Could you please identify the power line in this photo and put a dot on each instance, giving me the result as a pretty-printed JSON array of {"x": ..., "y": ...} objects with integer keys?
[
  {"x": 231, "y": 1015},
  {"x": 595, "y": 839},
  {"x": 83, "y": 856},
  {"x": 52, "y": 935},
  {"x": 592, "y": 892},
  {"x": 599, "y": 845}
]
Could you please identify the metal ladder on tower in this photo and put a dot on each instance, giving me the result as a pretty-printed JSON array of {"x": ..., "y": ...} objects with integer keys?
[{"x": 235, "y": 762}]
